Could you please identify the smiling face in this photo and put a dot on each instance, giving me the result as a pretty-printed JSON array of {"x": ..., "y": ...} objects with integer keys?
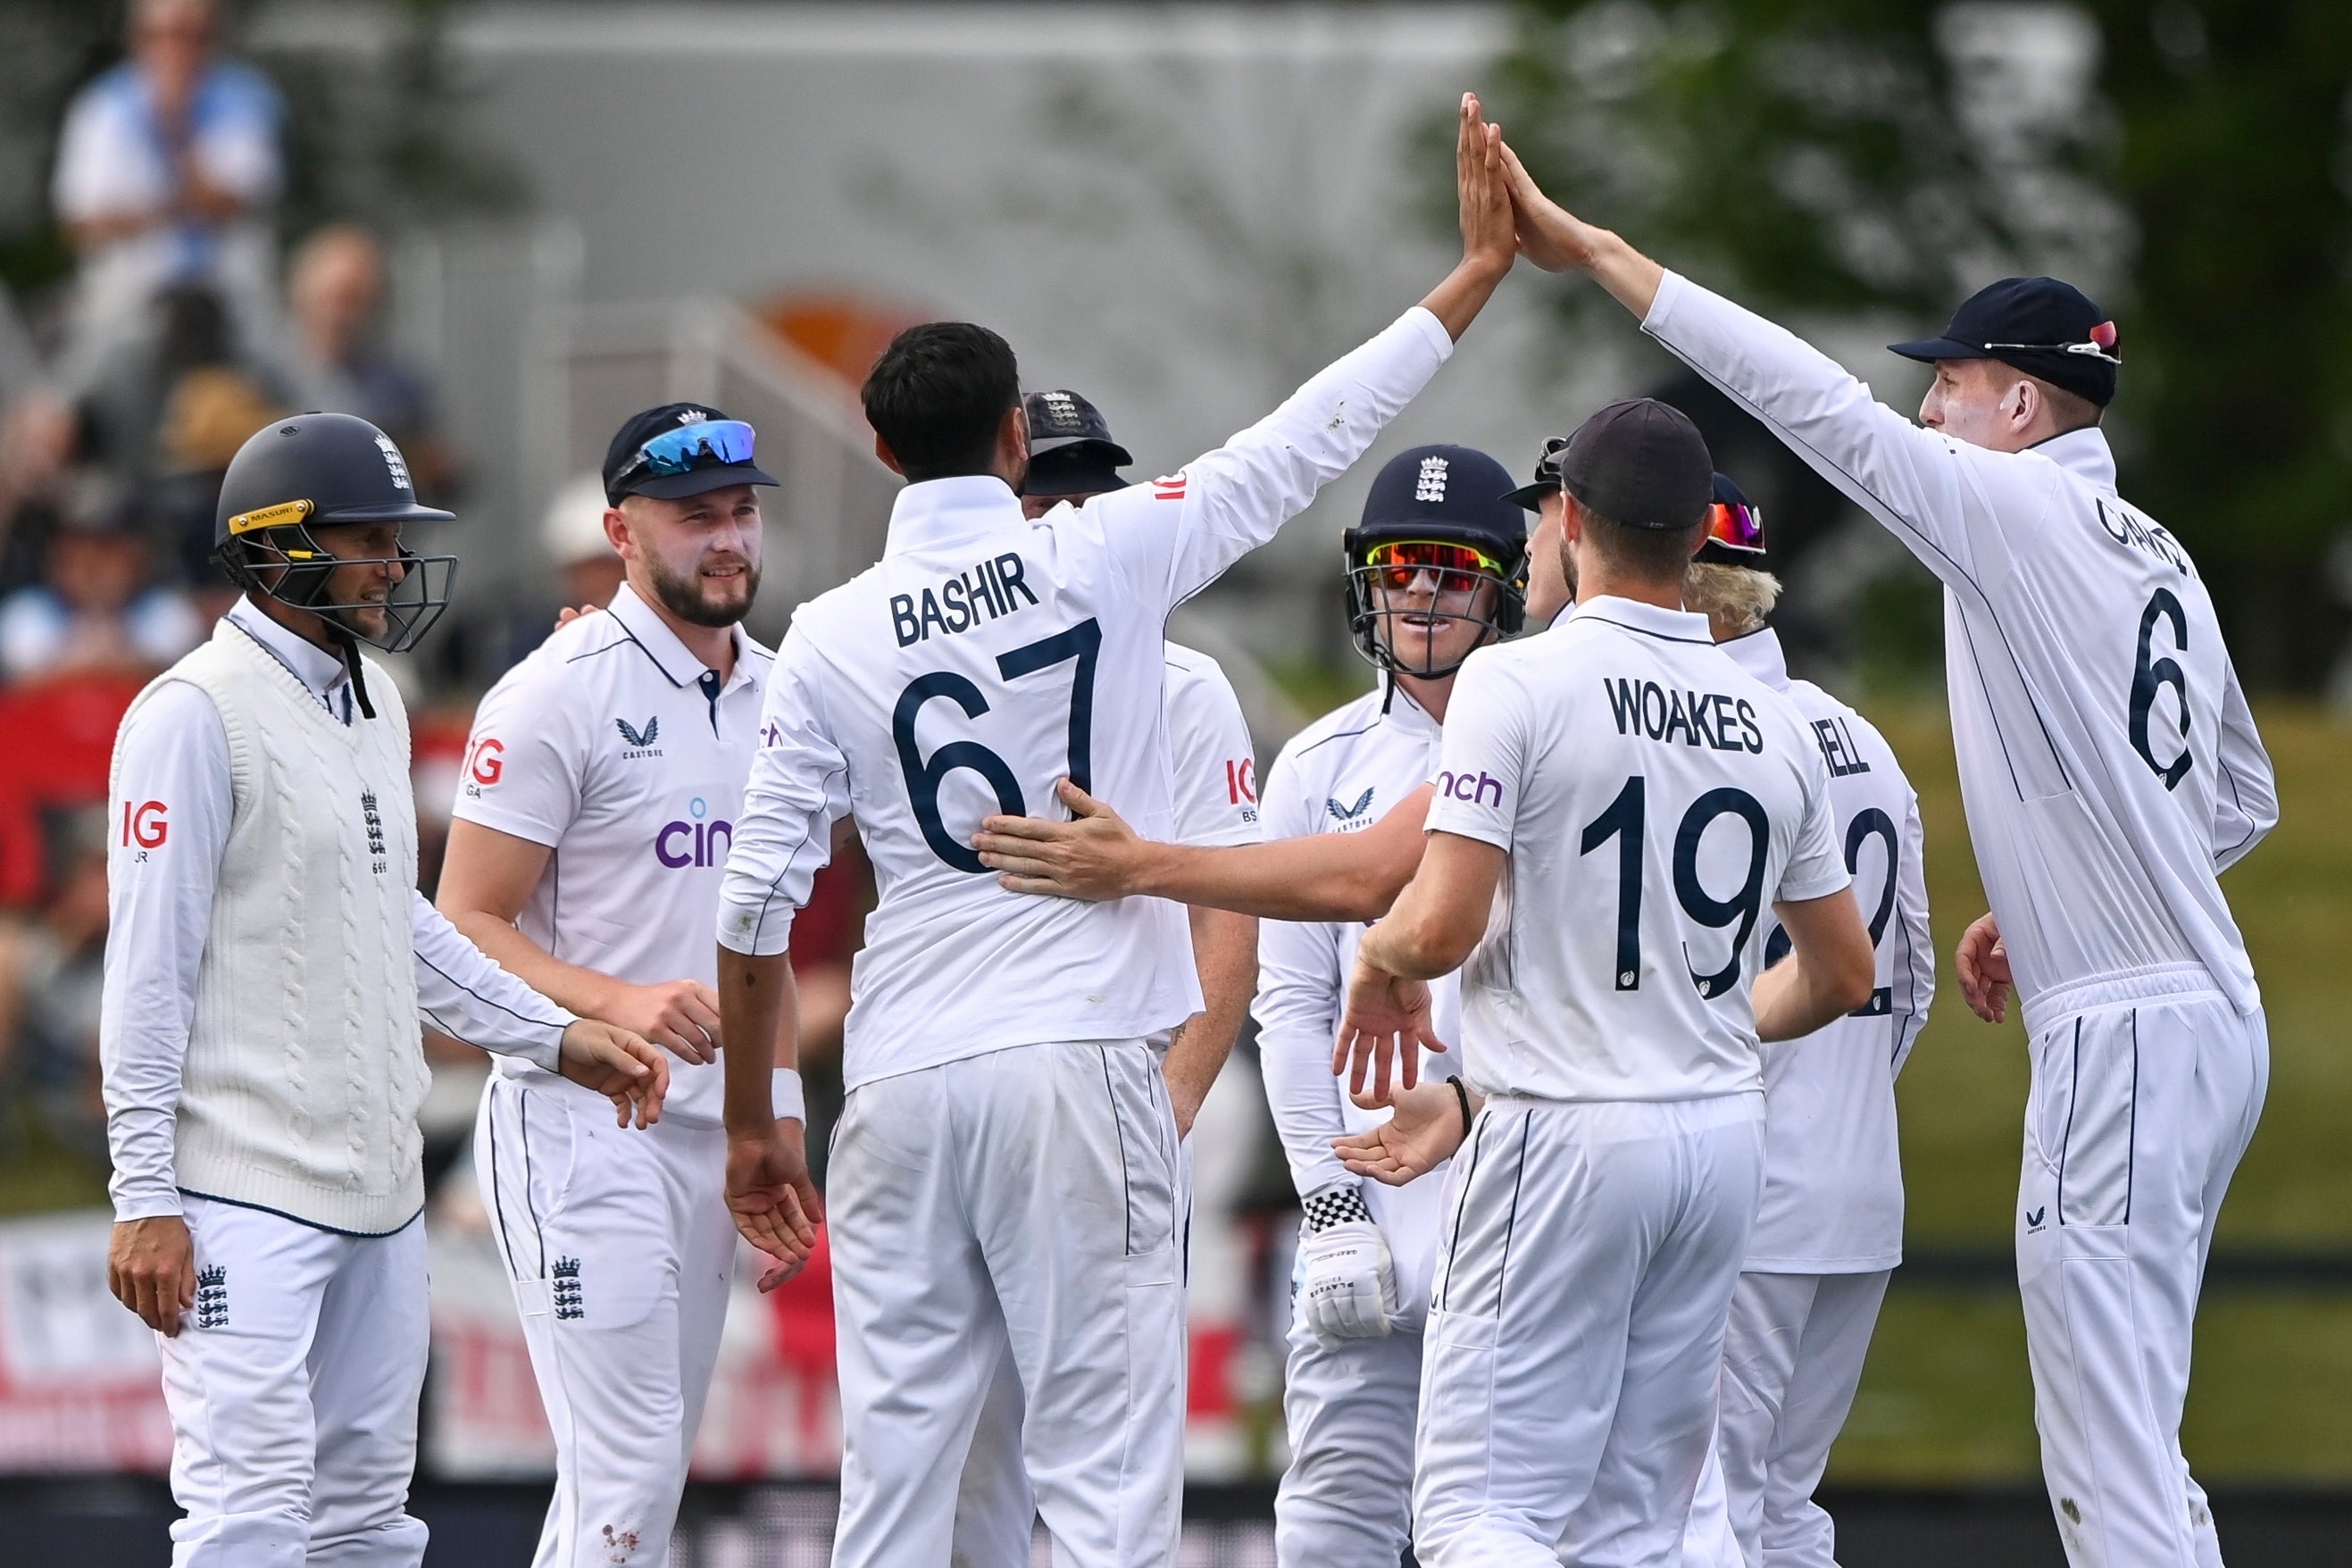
[
  {"x": 374, "y": 550},
  {"x": 697, "y": 557},
  {"x": 1987, "y": 404},
  {"x": 1433, "y": 620}
]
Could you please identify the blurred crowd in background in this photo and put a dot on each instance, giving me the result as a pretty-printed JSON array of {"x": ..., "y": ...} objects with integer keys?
[{"x": 123, "y": 395}]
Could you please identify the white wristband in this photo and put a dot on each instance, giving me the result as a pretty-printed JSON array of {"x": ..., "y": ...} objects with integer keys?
[{"x": 785, "y": 1095}]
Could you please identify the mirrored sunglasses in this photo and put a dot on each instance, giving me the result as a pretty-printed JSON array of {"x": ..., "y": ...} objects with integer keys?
[
  {"x": 1399, "y": 562},
  {"x": 1735, "y": 526},
  {"x": 712, "y": 444}
]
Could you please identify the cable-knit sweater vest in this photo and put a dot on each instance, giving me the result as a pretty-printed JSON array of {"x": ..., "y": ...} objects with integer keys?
[{"x": 305, "y": 1064}]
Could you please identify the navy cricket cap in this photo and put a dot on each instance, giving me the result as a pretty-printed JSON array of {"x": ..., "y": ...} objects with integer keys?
[
  {"x": 1639, "y": 462},
  {"x": 1071, "y": 451},
  {"x": 654, "y": 454},
  {"x": 2040, "y": 326},
  {"x": 1450, "y": 494},
  {"x": 1546, "y": 480}
]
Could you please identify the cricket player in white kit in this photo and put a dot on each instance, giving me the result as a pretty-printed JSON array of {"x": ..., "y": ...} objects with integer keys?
[
  {"x": 2111, "y": 771},
  {"x": 1617, "y": 805},
  {"x": 1213, "y": 801},
  {"x": 1828, "y": 1228},
  {"x": 1435, "y": 569},
  {"x": 1004, "y": 1177},
  {"x": 268, "y": 965},
  {"x": 603, "y": 781}
]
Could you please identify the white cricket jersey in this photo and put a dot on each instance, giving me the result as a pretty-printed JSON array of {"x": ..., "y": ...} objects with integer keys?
[
  {"x": 1833, "y": 1168},
  {"x": 1341, "y": 775},
  {"x": 1216, "y": 793},
  {"x": 2109, "y": 761},
  {"x": 619, "y": 750},
  {"x": 984, "y": 656},
  {"x": 1656, "y": 800}
]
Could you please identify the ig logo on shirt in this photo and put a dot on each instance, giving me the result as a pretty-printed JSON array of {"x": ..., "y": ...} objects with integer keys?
[{"x": 694, "y": 843}]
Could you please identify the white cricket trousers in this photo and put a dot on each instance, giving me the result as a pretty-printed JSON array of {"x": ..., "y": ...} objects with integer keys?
[
  {"x": 292, "y": 1386},
  {"x": 1024, "y": 1203},
  {"x": 1346, "y": 1499},
  {"x": 1793, "y": 1357},
  {"x": 1569, "y": 1371},
  {"x": 2146, "y": 1091},
  {"x": 619, "y": 1246}
]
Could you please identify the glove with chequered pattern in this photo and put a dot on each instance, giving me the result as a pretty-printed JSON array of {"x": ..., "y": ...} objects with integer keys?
[{"x": 1347, "y": 1286}]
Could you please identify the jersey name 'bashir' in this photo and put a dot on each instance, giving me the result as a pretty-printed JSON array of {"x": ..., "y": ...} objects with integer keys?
[{"x": 991, "y": 588}]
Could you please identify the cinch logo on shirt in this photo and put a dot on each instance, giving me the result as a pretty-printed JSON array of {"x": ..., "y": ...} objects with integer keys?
[
  {"x": 695, "y": 843},
  {"x": 1461, "y": 786},
  {"x": 1700, "y": 718},
  {"x": 956, "y": 605}
]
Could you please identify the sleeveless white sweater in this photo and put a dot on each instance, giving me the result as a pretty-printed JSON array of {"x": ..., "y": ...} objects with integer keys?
[{"x": 305, "y": 1065}]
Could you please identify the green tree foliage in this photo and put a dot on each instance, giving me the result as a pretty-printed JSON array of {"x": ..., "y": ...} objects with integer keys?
[{"x": 1817, "y": 157}]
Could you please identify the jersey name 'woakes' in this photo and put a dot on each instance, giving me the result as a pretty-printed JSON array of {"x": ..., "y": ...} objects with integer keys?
[{"x": 1644, "y": 708}]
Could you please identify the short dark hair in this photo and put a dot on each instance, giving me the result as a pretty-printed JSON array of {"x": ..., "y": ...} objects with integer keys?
[
  {"x": 937, "y": 396},
  {"x": 1652, "y": 554}
]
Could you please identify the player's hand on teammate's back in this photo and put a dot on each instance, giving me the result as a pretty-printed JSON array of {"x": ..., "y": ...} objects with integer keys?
[
  {"x": 681, "y": 1015},
  {"x": 776, "y": 1206},
  {"x": 1093, "y": 857},
  {"x": 1423, "y": 1130},
  {"x": 621, "y": 1066},
  {"x": 1982, "y": 960},
  {"x": 1387, "y": 1017},
  {"x": 1347, "y": 1284},
  {"x": 151, "y": 1266}
]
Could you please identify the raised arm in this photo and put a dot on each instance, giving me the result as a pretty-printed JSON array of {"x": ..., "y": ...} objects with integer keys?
[
  {"x": 1931, "y": 492},
  {"x": 1175, "y": 536},
  {"x": 1097, "y": 855}
]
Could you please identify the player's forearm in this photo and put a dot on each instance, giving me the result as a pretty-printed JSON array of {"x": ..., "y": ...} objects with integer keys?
[
  {"x": 1457, "y": 300},
  {"x": 1795, "y": 997},
  {"x": 1631, "y": 277},
  {"x": 759, "y": 1017},
  {"x": 581, "y": 991},
  {"x": 1321, "y": 876},
  {"x": 1224, "y": 951}
]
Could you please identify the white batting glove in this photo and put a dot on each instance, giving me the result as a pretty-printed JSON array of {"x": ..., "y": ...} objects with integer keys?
[{"x": 1346, "y": 1285}]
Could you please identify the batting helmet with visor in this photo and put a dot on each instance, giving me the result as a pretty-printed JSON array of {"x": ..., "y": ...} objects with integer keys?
[{"x": 1439, "y": 516}]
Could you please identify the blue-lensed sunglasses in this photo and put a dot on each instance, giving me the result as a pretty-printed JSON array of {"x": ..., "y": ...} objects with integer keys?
[{"x": 712, "y": 444}]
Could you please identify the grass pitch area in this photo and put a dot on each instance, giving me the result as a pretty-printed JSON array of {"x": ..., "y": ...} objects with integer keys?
[{"x": 1946, "y": 1396}]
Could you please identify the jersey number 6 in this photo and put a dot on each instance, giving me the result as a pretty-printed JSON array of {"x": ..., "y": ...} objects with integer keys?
[
  {"x": 1082, "y": 642},
  {"x": 2151, "y": 675},
  {"x": 1624, "y": 821}
]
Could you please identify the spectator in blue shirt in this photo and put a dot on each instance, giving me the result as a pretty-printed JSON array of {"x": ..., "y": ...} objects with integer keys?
[{"x": 168, "y": 166}]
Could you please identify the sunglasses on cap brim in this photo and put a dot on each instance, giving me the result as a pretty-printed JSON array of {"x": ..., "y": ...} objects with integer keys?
[
  {"x": 712, "y": 444},
  {"x": 1736, "y": 525},
  {"x": 1399, "y": 562}
]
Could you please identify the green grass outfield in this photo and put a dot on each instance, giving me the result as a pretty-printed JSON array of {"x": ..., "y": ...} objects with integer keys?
[{"x": 1945, "y": 1396}]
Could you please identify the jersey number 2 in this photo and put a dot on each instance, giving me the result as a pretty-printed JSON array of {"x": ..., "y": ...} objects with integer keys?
[
  {"x": 1624, "y": 821},
  {"x": 2151, "y": 675},
  {"x": 1083, "y": 643}
]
